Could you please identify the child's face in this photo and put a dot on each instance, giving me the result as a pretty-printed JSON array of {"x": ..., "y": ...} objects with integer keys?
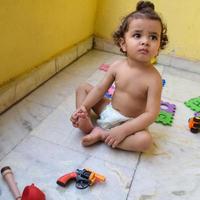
[{"x": 142, "y": 40}]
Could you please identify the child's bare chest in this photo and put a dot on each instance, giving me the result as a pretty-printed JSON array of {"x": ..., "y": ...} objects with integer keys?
[{"x": 134, "y": 84}]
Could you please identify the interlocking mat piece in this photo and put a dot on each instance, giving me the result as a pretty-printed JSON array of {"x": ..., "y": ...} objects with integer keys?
[
  {"x": 197, "y": 114},
  {"x": 193, "y": 104},
  {"x": 165, "y": 118},
  {"x": 110, "y": 91},
  {"x": 168, "y": 107},
  {"x": 166, "y": 115}
]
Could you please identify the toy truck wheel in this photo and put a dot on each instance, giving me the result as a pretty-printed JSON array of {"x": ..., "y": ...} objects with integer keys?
[
  {"x": 194, "y": 130},
  {"x": 196, "y": 126}
]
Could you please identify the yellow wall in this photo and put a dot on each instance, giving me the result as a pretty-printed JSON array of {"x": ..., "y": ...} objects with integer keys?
[
  {"x": 182, "y": 18},
  {"x": 32, "y": 31}
]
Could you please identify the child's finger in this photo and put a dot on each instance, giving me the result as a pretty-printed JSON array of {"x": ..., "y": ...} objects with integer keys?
[
  {"x": 72, "y": 119},
  {"x": 82, "y": 115},
  {"x": 109, "y": 141},
  {"x": 75, "y": 124},
  {"x": 114, "y": 145},
  {"x": 106, "y": 140}
]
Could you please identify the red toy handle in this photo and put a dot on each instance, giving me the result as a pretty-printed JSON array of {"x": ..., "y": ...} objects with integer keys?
[{"x": 63, "y": 180}]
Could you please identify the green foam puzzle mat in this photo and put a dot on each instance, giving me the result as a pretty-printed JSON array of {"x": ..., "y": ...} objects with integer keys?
[
  {"x": 165, "y": 118},
  {"x": 193, "y": 104}
]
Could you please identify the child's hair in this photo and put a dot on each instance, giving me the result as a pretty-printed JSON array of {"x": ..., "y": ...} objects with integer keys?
[{"x": 144, "y": 10}]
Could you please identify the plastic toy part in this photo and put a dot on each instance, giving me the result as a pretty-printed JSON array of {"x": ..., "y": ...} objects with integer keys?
[
  {"x": 32, "y": 193},
  {"x": 193, "y": 104},
  {"x": 194, "y": 124},
  {"x": 10, "y": 180},
  {"x": 163, "y": 82},
  {"x": 104, "y": 67},
  {"x": 29, "y": 193},
  {"x": 166, "y": 115},
  {"x": 165, "y": 118},
  {"x": 83, "y": 178},
  {"x": 110, "y": 91},
  {"x": 168, "y": 107},
  {"x": 197, "y": 114},
  {"x": 153, "y": 60}
]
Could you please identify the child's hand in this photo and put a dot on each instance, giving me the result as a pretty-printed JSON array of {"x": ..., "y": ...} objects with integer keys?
[
  {"x": 114, "y": 138},
  {"x": 74, "y": 119},
  {"x": 79, "y": 113}
]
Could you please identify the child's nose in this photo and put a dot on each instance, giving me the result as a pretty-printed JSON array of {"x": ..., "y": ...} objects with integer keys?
[{"x": 144, "y": 42}]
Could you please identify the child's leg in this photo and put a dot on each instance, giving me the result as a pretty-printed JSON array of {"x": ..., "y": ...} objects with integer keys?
[
  {"x": 96, "y": 135},
  {"x": 85, "y": 124},
  {"x": 140, "y": 142}
]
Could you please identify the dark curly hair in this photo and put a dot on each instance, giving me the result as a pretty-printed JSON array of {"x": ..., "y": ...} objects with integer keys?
[{"x": 144, "y": 10}]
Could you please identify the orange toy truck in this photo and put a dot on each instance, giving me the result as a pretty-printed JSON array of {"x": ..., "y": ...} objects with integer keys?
[{"x": 194, "y": 124}]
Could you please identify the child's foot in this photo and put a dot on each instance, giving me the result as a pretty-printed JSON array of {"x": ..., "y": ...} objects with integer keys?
[
  {"x": 96, "y": 135},
  {"x": 85, "y": 124}
]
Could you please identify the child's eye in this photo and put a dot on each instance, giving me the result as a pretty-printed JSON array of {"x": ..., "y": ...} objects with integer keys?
[
  {"x": 153, "y": 37},
  {"x": 136, "y": 35}
]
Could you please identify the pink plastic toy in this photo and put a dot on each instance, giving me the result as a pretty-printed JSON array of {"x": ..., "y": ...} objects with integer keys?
[{"x": 104, "y": 67}]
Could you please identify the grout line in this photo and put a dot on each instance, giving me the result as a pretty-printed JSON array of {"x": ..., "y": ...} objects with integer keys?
[
  {"x": 14, "y": 147},
  {"x": 138, "y": 162}
]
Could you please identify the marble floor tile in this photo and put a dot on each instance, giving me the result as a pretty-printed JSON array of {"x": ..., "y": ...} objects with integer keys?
[
  {"x": 57, "y": 129},
  {"x": 42, "y": 163},
  {"x": 180, "y": 89},
  {"x": 172, "y": 170},
  {"x": 181, "y": 73},
  {"x": 40, "y": 144},
  {"x": 53, "y": 92},
  {"x": 96, "y": 77},
  {"x": 160, "y": 68},
  {"x": 18, "y": 122}
]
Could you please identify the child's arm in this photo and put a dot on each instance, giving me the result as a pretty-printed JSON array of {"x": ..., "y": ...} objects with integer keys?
[
  {"x": 99, "y": 90},
  {"x": 94, "y": 96},
  {"x": 118, "y": 133}
]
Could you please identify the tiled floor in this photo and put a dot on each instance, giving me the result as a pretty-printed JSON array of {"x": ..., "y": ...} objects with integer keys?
[{"x": 39, "y": 143}]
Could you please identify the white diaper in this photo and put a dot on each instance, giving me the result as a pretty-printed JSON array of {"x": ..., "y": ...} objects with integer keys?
[{"x": 110, "y": 118}]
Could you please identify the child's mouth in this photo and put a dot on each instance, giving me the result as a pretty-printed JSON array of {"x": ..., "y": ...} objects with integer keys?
[{"x": 144, "y": 51}]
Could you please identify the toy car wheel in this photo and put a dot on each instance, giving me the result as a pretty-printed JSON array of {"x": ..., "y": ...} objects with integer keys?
[
  {"x": 194, "y": 130},
  {"x": 196, "y": 126}
]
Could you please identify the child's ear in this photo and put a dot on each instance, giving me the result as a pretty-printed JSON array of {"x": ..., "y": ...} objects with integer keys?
[{"x": 122, "y": 45}]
